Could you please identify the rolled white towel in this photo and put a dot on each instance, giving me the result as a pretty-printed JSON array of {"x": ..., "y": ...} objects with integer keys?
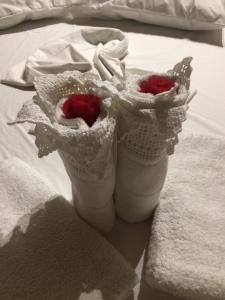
[
  {"x": 85, "y": 144},
  {"x": 151, "y": 110},
  {"x": 187, "y": 245},
  {"x": 46, "y": 250}
]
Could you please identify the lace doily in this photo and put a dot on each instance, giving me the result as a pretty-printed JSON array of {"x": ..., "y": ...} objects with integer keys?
[
  {"x": 89, "y": 150},
  {"x": 148, "y": 124}
]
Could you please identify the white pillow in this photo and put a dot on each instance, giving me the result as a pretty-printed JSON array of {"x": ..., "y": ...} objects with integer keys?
[
  {"x": 13, "y": 12},
  {"x": 184, "y": 14}
]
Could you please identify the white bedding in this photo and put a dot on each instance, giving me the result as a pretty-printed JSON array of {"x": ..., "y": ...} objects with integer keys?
[{"x": 150, "y": 47}]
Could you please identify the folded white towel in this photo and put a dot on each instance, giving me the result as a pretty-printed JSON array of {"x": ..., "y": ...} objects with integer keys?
[
  {"x": 187, "y": 245},
  {"x": 46, "y": 251},
  {"x": 76, "y": 51},
  {"x": 148, "y": 128},
  {"x": 21, "y": 190}
]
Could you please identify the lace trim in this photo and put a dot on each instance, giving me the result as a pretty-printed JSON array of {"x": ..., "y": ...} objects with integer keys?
[
  {"x": 89, "y": 150},
  {"x": 148, "y": 124}
]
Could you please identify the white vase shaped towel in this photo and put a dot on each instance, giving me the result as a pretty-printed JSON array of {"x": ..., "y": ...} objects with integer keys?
[
  {"x": 148, "y": 127},
  {"x": 87, "y": 151}
]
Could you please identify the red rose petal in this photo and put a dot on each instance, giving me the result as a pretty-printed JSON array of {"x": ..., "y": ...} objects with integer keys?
[
  {"x": 156, "y": 84},
  {"x": 82, "y": 106}
]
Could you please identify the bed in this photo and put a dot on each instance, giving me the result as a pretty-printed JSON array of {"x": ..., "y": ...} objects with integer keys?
[{"x": 150, "y": 47}]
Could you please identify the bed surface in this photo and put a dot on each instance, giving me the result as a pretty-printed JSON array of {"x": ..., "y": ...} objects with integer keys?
[{"x": 151, "y": 48}]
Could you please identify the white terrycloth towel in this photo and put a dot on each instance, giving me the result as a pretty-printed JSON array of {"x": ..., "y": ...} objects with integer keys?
[
  {"x": 187, "y": 245},
  {"x": 46, "y": 250},
  {"x": 21, "y": 190},
  {"x": 96, "y": 49}
]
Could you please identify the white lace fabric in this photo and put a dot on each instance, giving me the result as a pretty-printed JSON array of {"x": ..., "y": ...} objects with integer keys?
[
  {"x": 89, "y": 149},
  {"x": 149, "y": 124}
]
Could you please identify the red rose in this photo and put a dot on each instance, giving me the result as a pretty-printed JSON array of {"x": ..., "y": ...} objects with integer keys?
[
  {"x": 86, "y": 107},
  {"x": 156, "y": 84}
]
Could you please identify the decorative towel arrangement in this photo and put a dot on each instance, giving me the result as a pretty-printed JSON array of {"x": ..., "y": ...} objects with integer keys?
[
  {"x": 152, "y": 107},
  {"x": 86, "y": 146},
  {"x": 47, "y": 251},
  {"x": 114, "y": 129},
  {"x": 105, "y": 117},
  {"x": 77, "y": 114},
  {"x": 187, "y": 244}
]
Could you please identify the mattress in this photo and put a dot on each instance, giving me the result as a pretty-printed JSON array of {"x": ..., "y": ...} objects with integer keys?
[{"x": 151, "y": 48}]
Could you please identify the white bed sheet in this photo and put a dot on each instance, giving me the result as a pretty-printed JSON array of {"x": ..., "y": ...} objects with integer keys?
[{"x": 150, "y": 47}]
